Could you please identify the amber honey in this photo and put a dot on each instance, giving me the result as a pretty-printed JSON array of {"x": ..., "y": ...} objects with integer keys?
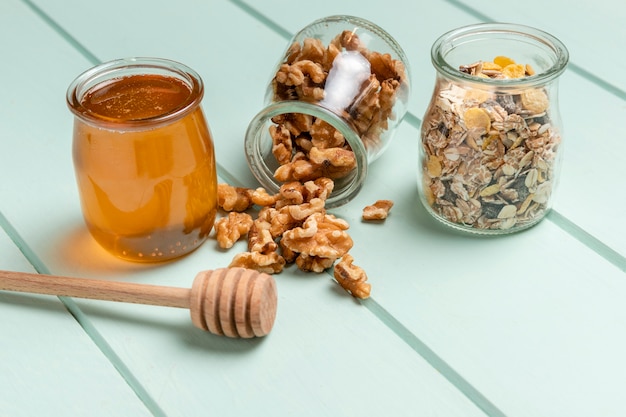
[{"x": 145, "y": 165}]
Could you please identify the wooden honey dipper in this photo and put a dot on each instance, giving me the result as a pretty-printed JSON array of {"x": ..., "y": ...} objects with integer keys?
[{"x": 235, "y": 302}]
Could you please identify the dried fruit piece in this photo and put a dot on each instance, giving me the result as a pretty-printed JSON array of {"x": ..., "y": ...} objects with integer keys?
[
  {"x": 514, "y": 71},
  {"x": 535, "y": 100},
  {"x": 433, "y": 166},
  {"x": 503, "y": 61},
  {"x": 477, "y": 118}
]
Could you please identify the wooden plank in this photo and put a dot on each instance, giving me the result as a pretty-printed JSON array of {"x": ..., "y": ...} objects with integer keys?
[
  {"x": 326, "y": 354},
  {"x": 48, "y": 365},
  {"x": 505, "y": 313},
  {"x": 587, "y": 109},
  {"x": 415, "y": 32},
  {"x": 551, "y": 264},
  {"x": 532, "y": 320},
  {"x": 589, "y": 31}
]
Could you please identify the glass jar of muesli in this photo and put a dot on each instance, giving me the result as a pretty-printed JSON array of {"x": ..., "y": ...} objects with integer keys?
[
  {"x": 491, "y": 136},
  {"x": 334, "y": 100}
]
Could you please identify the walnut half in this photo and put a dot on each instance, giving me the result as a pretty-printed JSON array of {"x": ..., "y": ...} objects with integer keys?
[
  {"x": 292, "y": 226},
  {"x": 232, "y": 227},
  {"x": 377, "y": 211},
  {"x": 352, "y": 278}
]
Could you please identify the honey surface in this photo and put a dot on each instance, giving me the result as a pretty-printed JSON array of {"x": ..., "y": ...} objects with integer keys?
[{"x": 137, "y": 97}]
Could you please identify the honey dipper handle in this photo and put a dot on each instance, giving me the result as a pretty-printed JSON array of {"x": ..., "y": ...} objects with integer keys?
[{"x": 95, "y": 289}]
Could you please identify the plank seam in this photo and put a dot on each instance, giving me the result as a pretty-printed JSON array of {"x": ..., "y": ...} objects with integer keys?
[
  {"x": 86, "y": 53},
  {"x": 85, "y": 323},
  {"x": 100, "y": 342},
  {"x": 575, "y": 68},
  {"x": 587, "y": 239},
  {"x": 449, "y": 373}
]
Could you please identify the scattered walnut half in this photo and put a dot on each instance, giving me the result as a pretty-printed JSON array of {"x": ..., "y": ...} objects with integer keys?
[
  {"x": 321, "y": 235},
  {"x": 377, "y": 211},
  {"x": 271, "y": 263},
  {"x": 292, "y": 227},
  {"x": 229, "y": 229},
  {"x": 232, "y": 198},
  {"x": 352, "y": 278}
]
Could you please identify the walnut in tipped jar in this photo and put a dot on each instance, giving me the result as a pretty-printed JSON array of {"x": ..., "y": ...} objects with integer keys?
[{"x": 332, "y": 107}]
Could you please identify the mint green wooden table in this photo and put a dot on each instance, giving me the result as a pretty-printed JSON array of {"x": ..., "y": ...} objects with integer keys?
[{"x": 532, "y": 324}]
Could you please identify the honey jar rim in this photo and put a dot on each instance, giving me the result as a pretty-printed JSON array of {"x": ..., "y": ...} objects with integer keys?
[{"x": 123, "y": 67}]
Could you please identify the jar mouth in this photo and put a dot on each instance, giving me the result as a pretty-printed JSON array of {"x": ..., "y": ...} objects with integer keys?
[
  {"x": 126, "y": 67},
  {"x": 546, "y": 53},
  {"x": 262, "y": 163}
]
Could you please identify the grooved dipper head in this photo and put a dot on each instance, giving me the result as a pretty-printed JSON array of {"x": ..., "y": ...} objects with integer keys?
[{"x": 234, "y": 302}]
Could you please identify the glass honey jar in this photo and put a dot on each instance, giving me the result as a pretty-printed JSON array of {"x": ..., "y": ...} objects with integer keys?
[{"x": 143, "y": 157}]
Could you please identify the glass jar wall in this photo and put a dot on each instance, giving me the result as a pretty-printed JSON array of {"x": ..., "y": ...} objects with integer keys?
[
  {"x": 332, "y": 106},
  {"x": 491, "y": 138}
]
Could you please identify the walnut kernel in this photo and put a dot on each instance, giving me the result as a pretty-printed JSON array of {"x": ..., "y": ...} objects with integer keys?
[{"x": 352, "y": 278}]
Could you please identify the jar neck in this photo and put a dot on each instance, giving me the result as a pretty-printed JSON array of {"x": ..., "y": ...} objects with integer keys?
[
  {"x": 258, "y": 149},
  {"x": 547, "y": 55},
  {"x": 128, "y": 67}
]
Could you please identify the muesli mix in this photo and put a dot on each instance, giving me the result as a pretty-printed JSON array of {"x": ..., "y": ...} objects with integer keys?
[{"x": 489, "y": 155}]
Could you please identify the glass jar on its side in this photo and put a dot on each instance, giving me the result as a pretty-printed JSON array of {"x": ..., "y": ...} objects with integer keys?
[
  {"x": 491, "y": 139},
  {"x": 332, "y": 106}
]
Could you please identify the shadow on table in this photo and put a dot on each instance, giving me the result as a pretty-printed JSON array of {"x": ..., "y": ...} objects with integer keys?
[
  {"x": 424, "y": 223},
  {"x": 157, "y": 324},
  {"x": 75, "y": 252},
  {"x": 95, "y": 316}
]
